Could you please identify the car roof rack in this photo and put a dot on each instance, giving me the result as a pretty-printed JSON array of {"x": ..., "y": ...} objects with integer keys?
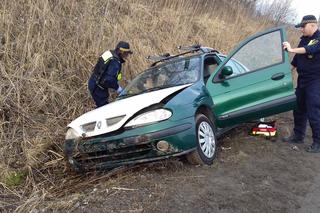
[
  {"x": 158, "y": 57},
  {"x": 188, "y": 49}
]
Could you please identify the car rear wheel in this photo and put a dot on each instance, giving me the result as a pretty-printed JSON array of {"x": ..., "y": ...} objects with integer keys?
[{"x": 206, "y": 142}]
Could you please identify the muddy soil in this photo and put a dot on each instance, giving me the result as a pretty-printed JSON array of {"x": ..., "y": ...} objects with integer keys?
[{"x": 250, "y": 174}]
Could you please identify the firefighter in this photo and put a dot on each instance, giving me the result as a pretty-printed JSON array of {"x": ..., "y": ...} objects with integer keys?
[
  {"x": 307, "y": 62},
  {"x": 107, "y": 73}
]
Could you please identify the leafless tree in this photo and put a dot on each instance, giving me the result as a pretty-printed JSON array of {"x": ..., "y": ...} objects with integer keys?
[{"x": 279, "y": 11}]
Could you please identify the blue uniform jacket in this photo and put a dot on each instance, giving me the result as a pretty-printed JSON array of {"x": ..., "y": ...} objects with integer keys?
[
  {"x": 308, "y": 64},
  {"x": 109, "y": 77}
]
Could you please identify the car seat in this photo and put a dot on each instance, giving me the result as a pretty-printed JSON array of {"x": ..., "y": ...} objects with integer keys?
[{"x": 208, "y": 70}]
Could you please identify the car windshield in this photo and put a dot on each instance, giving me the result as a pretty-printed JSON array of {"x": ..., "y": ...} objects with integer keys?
[{"x": 172, "y": 73}]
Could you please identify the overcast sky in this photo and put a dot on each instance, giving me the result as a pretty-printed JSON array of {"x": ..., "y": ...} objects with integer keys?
[{"x": 306, "y": 7}]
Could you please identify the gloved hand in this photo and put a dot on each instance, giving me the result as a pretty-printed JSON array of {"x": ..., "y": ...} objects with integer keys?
[{"x": 119, "y": 90}]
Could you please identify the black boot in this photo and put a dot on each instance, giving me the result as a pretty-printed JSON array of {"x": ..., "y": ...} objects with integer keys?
[
  {"x": 314, "y": 148},
  {"x": 292, "y": 139}
]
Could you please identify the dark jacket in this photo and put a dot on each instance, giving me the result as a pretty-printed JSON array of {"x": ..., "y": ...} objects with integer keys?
[
  {"x": 308, "y": 64},
  {"x": 105, "y": 73}
]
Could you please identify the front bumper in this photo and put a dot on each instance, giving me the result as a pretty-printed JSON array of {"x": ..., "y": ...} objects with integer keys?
[{"x": 126, "y": 148}]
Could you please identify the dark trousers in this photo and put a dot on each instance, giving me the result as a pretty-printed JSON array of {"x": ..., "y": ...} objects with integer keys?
[
  {"x": 308, "y": 108},
  {"x": 99, "y": 96}
]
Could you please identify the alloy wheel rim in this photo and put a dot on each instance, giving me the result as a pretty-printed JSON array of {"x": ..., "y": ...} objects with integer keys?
[{"x": 206, "y": 139}]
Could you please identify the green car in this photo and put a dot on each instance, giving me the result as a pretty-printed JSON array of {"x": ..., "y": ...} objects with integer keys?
[{"x": 183, "y": 103}]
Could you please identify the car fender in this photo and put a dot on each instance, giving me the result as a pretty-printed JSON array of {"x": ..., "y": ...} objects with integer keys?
[{"x": 187, "y": 102}]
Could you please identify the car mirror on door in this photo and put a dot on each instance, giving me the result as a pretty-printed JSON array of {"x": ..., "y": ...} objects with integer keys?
[{"x": 226, "y": 71}]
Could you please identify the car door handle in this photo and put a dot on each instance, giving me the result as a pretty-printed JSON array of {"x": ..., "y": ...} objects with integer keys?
[{"x": 278, "y": 76}]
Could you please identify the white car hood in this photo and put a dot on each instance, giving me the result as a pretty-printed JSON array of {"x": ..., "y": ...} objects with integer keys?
[{"x": 125, "y": 107}]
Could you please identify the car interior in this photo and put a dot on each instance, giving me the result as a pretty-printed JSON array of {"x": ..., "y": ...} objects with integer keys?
[{"x": 209, "y": 66}]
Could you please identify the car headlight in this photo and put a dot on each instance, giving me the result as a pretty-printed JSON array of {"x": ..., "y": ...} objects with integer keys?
[
  {"x": 72, "y": 134},
  {"x": 150, "y": 117}
]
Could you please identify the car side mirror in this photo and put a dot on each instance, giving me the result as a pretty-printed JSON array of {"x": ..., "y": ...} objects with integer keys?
[{"x": 226, "y": 71}]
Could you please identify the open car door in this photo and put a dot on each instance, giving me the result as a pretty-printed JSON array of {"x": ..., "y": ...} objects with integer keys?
[{"x": 254, "y": 81}]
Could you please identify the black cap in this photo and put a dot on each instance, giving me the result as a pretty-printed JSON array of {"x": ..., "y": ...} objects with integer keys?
[
  {"x": 307, "y": 19},
  {"x": 124, "y": 46}
]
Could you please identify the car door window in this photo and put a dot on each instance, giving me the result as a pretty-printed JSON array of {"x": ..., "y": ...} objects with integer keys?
[
  {"x": 258, "y": 53},
  {"x": 236, "y": 67}
]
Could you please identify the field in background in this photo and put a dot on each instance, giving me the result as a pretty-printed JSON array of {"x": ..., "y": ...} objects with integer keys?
[{"x": 48, "y": 49}]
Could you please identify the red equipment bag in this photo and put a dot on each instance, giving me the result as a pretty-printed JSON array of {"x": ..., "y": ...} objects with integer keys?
[{"x": 267, "y": 129}]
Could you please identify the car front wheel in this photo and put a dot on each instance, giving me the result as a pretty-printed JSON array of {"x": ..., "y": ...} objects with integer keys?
[{"x": 206, "y": 142}]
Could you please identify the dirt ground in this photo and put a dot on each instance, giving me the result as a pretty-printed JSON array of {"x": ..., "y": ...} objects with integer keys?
[{"x": 250, "y": 174}]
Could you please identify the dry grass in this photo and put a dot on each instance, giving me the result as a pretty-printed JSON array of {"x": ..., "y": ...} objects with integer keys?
[{"x": 47, "y": 51}]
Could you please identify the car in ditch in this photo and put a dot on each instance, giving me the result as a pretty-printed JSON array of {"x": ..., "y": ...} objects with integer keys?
[{"x": 183, "y": 103}]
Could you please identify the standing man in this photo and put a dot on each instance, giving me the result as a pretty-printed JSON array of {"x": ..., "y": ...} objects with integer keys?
[
  {"x": 307, "y": 62},
  {"x": 107, "y": 73}
]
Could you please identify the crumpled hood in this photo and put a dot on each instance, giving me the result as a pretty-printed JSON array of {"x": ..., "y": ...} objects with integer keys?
[{"x": 124, "y": 108}]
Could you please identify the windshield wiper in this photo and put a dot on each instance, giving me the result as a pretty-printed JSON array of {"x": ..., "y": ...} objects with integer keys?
[
  {"x": 127, "y": 95},
  {"x": 144, "y": 91},
  {"x": 157, "y": 88}
]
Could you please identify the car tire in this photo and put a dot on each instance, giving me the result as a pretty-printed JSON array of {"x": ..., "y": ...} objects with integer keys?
[{"x": 206, "y": 142}]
